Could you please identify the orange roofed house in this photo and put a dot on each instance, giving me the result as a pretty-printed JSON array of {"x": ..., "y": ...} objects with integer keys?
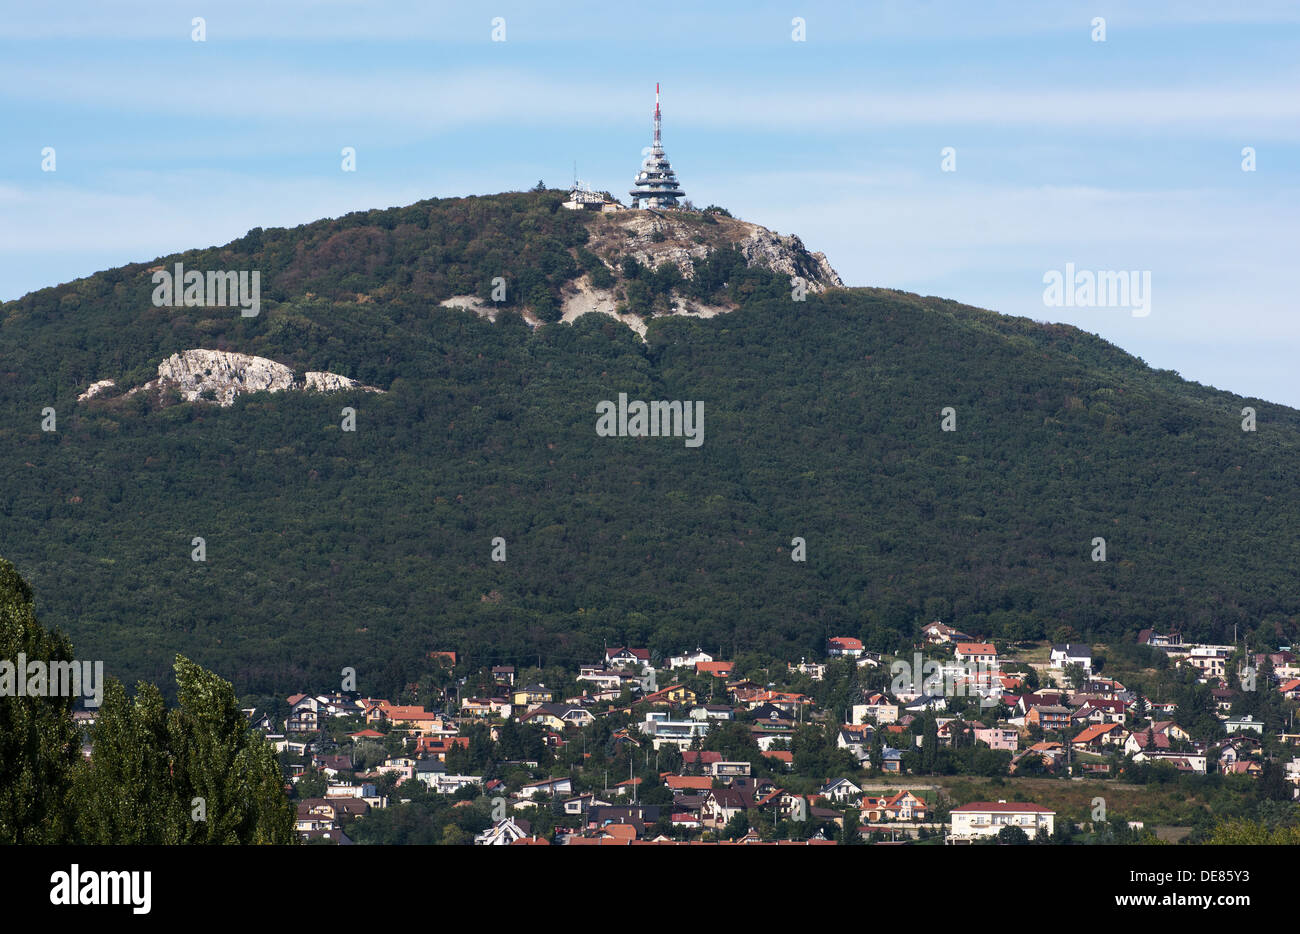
[
  {"x": 976, "y": 652},
  {"x": 423, "y": 721}
]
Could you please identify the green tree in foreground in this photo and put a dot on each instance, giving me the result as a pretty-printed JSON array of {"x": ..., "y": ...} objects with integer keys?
[
  {"x": 1243, "y": 832},
  {"x": 38, "y": 741},
  {"x": 195, "y": 774}
]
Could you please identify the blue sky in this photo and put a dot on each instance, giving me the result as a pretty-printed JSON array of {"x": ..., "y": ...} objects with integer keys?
[{"x": 1115, "y": 155}]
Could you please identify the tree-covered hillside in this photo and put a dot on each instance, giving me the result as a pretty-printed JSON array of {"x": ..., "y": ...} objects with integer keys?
[{"x": 328, "y": 548}]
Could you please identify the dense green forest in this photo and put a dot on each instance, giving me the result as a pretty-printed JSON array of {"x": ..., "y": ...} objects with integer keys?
[{"x": 328, "y": 549}]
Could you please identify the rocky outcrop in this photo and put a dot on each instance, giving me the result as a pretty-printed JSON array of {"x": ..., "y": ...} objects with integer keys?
[
  {"x": 95, "y": 389},
  {"x": 219, "y": 376},
  {"x": 653, "y": 238},
  {"x": 318, "y": 381},
  {"x": 788, "y": 256},
  {"x": 680, "y": 237}
]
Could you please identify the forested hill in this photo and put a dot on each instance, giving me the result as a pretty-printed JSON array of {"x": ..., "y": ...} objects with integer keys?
[{"x": 327, "y": 548}]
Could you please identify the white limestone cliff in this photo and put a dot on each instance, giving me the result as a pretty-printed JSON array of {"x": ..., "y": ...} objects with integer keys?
[{"x": 219, "y": 376}]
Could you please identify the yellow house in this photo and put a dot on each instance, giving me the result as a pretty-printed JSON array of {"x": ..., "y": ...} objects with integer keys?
[
  {"x": 532, "y": 694},
  {"x": 673, "y": 694}
]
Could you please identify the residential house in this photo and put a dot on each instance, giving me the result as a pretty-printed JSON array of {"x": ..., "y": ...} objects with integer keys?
[
  {"x": 1210, "y": 660},
  {"x": 681, "y": 784},
  {"x": 1097, "y": 710},
  {"x": 1245, "y": 724},
  {"x": 673, "y": 694},
  {"x": 939, "y": 634},
  {"x": 433, "y": 774},
  {"x": 843, "y": 647},
  {"x": 904, "y": 805},
  {"x": 1048, "y": 717},
  {"x": 679, "y": 733},
  {"x": 1070, "y": 653},
  {"x": 504, "y": 832},
  {"x": 624, "y": 657},
  {"x": 554, "y": 787},
  {"x": 1097, "y": 735},
  {"x": 988, "y": 818},
  {"x": 1157, "y": 640},
  {"x": 304, "y": 714},
  {"x": 815, "y": 671},
  {"x": 581, "y": 804},
  {"x": 841, "y": 791},
  {"x": 532, "y": 694},
  {"x": 879, "y": 709},
  {"x": 605, "y": 679},
  {"x": 997, "y": 737},
  {"x": 975, "y": 653},
  {"x": 720, "y": 805},
  {"x": 856, "y": 739},
  {"x": 559, "y": 716},
  {"x": 401, "y": 766},
  {"x": 478, "y": 707},
  {"x": 689, "y": 659},
  {"x": 891, "y": 760},
  {"x": 712, "y": 712},
  {"x": 1189, "y": 762},
  {"x": 729, "y": 771}
]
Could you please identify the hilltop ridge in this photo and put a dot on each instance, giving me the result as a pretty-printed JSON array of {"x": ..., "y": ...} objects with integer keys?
[{"x": 331, "y": 547}]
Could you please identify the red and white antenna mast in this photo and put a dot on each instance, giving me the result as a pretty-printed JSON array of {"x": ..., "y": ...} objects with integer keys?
[{"x": 657, "y": 115}]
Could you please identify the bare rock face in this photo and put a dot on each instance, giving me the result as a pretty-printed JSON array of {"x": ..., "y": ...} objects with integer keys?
[
  {"x": 226, "y": 375},
  {"x": 95, "y": 389},
  {"x": 787, "y": 255},
  {"x": 219, "y": 376},
  {"x": 656, "y": 237},
  {"x": 319, "y": 381}
]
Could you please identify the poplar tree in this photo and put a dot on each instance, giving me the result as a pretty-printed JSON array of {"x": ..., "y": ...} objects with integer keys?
[
  {"x": 38, "y": 740},
  {"x": 193, "y": 775}
]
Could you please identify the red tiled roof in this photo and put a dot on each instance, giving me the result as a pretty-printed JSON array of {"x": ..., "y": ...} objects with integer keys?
[
  {"x": 698, "y": 782},
  {"x": 1094, "y": 731}
]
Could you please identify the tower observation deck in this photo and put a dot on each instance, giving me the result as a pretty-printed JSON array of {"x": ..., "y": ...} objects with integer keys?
[{"x": 656, "y": 185}]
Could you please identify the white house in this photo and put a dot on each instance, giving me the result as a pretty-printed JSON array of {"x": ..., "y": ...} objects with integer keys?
[
  {"x": 976, "y": 652},
  {"x": 987, "y": 818},
  {"x": 1072, "y": 654},
  {"x": 433, "y": 774},
  {"x": 841, "y": 791},
  {"x": 504, "y": 832},
  {"x": 679, "y": 733},
  {"x": 689, "y": 659}
]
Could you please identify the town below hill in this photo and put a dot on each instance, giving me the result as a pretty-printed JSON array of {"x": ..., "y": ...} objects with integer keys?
[{"x": 962, "y": 742}]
